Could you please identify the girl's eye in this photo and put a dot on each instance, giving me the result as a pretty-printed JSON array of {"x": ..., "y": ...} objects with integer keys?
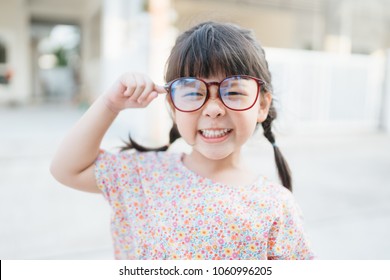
[
  {"x": 193, "y": 94},
  {"x": 234, "y": 94}
]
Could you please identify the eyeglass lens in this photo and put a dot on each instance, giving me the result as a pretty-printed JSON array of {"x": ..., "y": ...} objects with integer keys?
[{"x": 237, "y": 93}]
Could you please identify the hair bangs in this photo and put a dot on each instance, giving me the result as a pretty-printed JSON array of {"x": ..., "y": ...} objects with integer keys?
[
  {"x": 211, "y": 50},
  {"x": 210, "y": 55}
]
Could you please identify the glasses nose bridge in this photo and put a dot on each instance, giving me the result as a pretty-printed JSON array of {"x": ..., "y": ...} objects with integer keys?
[
  {"x": 215, "y": 98},
  {"x": 213, "y": 83}
]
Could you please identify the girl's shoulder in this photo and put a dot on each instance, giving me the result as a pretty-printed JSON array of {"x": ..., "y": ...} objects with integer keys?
[
  {"x": 272, "y": 188},
  {"x": 274, "y": 191},
  {"x": 282, "y": 199}
]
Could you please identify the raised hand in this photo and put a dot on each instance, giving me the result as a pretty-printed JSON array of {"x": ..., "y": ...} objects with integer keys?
[{"x": 131, "y": 90}]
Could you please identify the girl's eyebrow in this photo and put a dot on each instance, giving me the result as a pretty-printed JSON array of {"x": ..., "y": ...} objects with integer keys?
[{"x": 186, "y": 81}]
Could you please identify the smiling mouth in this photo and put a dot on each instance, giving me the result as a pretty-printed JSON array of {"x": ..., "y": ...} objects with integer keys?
[{"x": 214, "y": 133}]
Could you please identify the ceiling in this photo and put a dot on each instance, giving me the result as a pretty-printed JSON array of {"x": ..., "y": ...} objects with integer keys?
[{"x": 69, "y": 11}]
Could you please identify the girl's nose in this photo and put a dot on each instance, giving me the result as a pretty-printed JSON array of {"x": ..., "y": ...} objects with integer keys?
[{"x": 214, "y": 108}]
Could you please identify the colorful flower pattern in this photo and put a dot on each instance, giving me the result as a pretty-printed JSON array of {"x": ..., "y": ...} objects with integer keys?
[{"x": 162, "y": 210}]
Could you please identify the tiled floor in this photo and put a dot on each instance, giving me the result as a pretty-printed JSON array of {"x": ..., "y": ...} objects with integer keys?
[{"x": 342, "y": 183}]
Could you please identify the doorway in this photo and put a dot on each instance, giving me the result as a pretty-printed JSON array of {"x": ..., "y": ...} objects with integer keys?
[{"x": 55, "y": 52}]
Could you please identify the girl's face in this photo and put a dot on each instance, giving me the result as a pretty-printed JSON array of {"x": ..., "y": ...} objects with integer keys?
[{"x": 216, "y": 132}]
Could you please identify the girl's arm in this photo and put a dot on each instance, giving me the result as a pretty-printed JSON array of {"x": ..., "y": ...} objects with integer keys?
[{"x": 73, "y": 164}]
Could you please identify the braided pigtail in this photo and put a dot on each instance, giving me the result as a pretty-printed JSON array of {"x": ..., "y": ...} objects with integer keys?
[
  {"x": 173, "y": 136},
  {"x": 281, "y": 164}
]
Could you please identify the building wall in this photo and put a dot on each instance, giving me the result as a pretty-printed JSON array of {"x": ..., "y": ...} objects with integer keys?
[
  {"x": 357, "y": 26},
  {"x": 91, "y": 51},
  {"x": 273, "y": 25},
  {"x": 14, "y": 31},
  {"x": 347, "y": 26}
]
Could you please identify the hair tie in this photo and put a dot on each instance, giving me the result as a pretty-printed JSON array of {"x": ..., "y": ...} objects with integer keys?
[{"x": 274, "y": 144}]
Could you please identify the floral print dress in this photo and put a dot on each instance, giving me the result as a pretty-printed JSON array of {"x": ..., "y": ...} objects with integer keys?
[{"x": 162, "y": 210}]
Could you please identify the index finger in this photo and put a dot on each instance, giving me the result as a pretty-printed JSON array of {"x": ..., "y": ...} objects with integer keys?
[{"x": 160, "y": 89}]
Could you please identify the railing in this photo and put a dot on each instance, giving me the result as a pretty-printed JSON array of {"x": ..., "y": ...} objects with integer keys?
[{"x": 319, "y": 89}]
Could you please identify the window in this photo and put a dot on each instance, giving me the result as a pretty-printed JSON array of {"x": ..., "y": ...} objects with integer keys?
[
  {"x": 3, "y": 53},
  {"x": 5, "y": 74}
]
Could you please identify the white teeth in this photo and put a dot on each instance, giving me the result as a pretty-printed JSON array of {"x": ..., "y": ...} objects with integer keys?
[{"x": 214, "y": 133}]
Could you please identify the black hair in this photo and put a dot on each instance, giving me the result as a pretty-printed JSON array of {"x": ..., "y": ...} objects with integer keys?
[{"x": 212, "y": 48}]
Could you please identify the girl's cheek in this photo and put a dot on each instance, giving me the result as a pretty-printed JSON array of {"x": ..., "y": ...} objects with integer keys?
[{"x": 187, "y": 126}]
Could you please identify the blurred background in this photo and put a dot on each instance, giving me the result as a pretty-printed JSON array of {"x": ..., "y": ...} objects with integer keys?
[{"x": 330, "y": 61}]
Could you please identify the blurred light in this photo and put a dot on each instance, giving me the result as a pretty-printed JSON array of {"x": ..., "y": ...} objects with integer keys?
[
  {"x": 47, "y": 61},
  {"x": 46, "y": 45},
  {"x": 67, "y": 36},
  {"x": 61, "y": 36},
  {"x": 338, "y": 44}
]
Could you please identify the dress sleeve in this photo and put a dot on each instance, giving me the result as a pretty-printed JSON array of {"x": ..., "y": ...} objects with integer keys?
[
  {"x": 287, "y": 239},
  {"x": 112, "y": 173}
]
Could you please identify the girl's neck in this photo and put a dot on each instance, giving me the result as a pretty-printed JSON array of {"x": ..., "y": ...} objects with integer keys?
[{"x": 229, "y": 171}]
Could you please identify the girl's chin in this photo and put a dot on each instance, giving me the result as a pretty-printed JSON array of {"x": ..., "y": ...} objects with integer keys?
[{"x": 214, "y": 154}]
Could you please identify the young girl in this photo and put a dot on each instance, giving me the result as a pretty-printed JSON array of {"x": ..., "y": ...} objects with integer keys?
[{"x": 205, "y": 204}]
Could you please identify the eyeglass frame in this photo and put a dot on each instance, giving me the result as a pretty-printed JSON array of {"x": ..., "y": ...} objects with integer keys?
[{"x": 259, "y": 83}]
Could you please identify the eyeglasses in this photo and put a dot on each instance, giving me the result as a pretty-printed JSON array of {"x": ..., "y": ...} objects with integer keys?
[{"x": 238, "y": 93}]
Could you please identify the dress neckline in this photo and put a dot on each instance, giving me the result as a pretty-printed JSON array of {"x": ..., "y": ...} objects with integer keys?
[{"x": 207, "y": 181}]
